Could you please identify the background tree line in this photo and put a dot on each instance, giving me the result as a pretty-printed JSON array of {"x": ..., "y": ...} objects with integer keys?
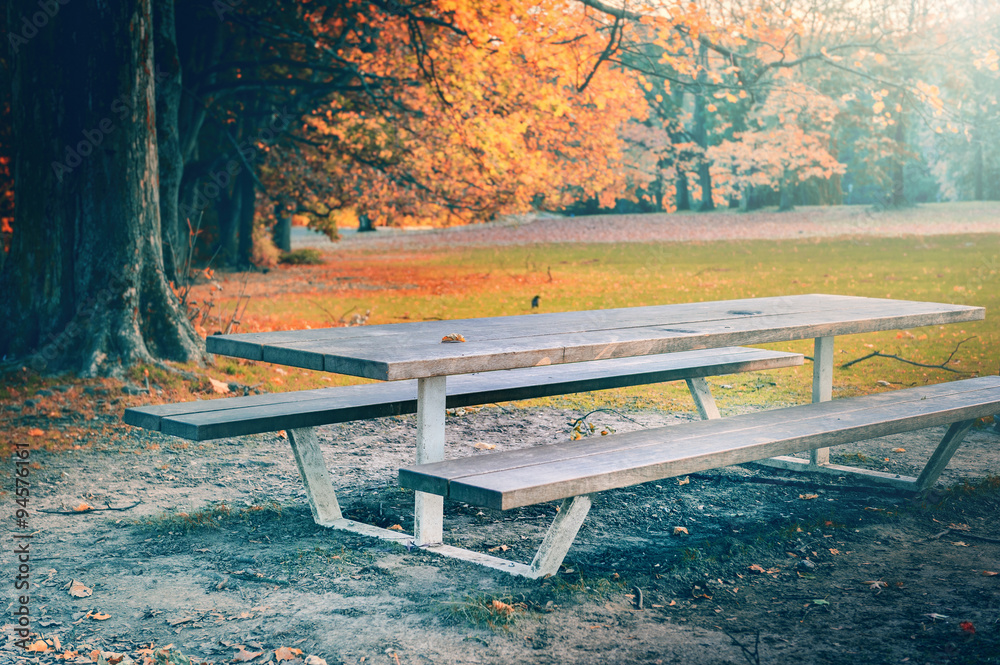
[{"x": 147, "y": 138}]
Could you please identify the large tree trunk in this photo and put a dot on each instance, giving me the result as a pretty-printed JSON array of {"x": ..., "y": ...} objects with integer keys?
[
  {"x": 83, "y": 287},
  {"x": 168, "y": 99}
]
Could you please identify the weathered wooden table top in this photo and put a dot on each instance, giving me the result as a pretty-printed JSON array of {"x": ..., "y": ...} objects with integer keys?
[{"x": 415, "y": 350}]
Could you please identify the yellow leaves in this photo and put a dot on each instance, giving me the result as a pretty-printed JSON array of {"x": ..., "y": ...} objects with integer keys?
[{"x": 878, "y": 107}]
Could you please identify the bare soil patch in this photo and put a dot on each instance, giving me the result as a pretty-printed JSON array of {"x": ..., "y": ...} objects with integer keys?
[{"x": 220, "y": 557}]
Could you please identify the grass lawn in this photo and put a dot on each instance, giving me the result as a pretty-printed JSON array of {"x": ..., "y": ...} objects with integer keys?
[{"x": 466, "y": 282}]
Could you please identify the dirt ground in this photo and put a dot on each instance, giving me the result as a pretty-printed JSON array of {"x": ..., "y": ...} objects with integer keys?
[
  {"x": 210, "y": 548},
  {"x": 220, "y": 558}
]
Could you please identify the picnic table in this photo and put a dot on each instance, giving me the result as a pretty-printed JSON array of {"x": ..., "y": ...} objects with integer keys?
[{"x": 417, "y": 351}]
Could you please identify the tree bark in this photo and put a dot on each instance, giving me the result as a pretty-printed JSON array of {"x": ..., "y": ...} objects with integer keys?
[
  {"x": 248, "y": 201},
  {"x": 683, "y": 193},
  {"x": 282, "y": 234},
  {"x": 228, "y": 212},
  {"x": 84, "y": 288},
  {"x": 898, "y": 198},
  {"x": 700, "y": 135},
  {"x": 171, "y": 161}
]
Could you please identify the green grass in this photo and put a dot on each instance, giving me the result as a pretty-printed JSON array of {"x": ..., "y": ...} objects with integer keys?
[{"x": 475, "y": 282}]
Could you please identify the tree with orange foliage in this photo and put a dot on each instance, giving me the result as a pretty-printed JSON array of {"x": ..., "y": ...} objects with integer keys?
[
  {"x": 788, "y": 142},
  {"x": 454, "y": 109}
]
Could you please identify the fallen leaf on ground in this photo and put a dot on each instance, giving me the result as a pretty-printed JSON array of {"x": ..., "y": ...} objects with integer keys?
[
  {"x": 807, "y": 497},
  {"x": 78, "y": 590},
  {"x": 967, "y": 627},
  {"x": 683, "y": 481},
  {"x": 680, "y": 531},
  {"x": 501, "y": 607},
  {"x": 935, "y": 615},
  {"x": 501, "y": 548},
  {"x": 757, "y": 568},
  {"x": 834, "y": 551},
  {"x": 876, "y": 584},
  {"x": 899, "y": 450},
  {"x": 83, "y": 507},
  {"x": 34, "y": 431},
  {"x": 286, "y": 653},
  {"x": 98, "y": 616},
  {"x": 220, "y": 387},
  {"x": 396, "y": 527},
  {"x": 243, "y": 655},
  {"x": 40, "y": 645},
  {"x": 990, "y": 573},
  {"x": 484, "y": 446},
  {"x": 961, "y": 543},
  {"x": 453, "y": 337}
]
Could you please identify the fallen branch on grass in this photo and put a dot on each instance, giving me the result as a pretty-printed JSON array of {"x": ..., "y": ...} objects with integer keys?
[
  {"x": 879, "y": 354},
  {"x": 965, "y": 534},
  {"x": 89, "y": 509}
]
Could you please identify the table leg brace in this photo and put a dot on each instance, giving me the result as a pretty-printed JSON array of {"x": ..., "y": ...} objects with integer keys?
[{"x": 319, "y": 490}]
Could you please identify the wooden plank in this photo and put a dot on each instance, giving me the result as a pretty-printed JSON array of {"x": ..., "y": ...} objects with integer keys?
[
  {"x": 542, "y": 474},
  {"x": 733, "y": 426},
  {"x": 210, "y": 419},
  {"x": 319, "y": 489},
  {"x": 943, "y": 454},
  {"x": 560, "y": 535},
  {"x": 401, "y": 351}
]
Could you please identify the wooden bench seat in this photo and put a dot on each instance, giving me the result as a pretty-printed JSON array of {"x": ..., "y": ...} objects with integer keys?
[
  {"x": 213, "y": 419},
  {"x": 575, "y": 469}
]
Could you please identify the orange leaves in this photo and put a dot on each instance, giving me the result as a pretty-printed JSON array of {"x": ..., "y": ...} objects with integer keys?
[
  {"x": 34, "y": 431},
  {"x": 453, "y": 337},
  {"x": 515, "y": 112},
  {"x": 286, "y": 653}
]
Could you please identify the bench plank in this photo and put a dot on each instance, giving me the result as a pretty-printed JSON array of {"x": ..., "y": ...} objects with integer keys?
[
  {"x": 211, "y": 419},
  {"x": 534, "y": 475}
]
